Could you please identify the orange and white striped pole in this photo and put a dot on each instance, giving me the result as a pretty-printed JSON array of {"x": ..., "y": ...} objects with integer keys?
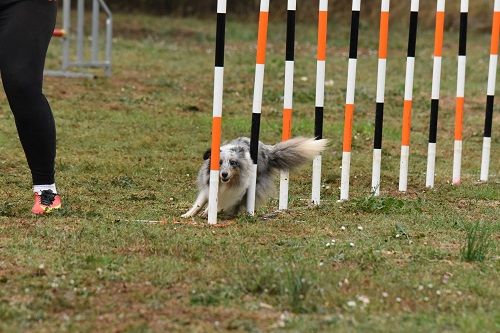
[
  {"x": 288, "y": 96},
  {"x": 459, "y": 104},
  {"x": 217, "y": 112},
  {"x": 410, "y": 67},
  {"x": 379, "y": 111},
  {"x": 492, "y": 74},
  {"x": 436, "y": 82},
  {"x": 349, "y": 104},
  {"x": 257, "y": 101},
  {"x": 320, "y": 97}
]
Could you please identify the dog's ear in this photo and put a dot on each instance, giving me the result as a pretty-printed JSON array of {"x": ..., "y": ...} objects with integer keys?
[{"x": 207, "y": 154}]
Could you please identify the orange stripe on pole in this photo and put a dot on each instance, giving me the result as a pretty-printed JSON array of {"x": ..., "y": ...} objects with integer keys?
[
  {"x": 348, "y": 116},
  {"x": 216, "y": 137},
  {"x": 438, "y": 39},
  {"x": 405, "y": 139},
  {"x": 287, "y": 124},
  {"x": 384, "y": 35},
  {"x": 459, "y": 114},
  {"x": 495, "y": 31},
  {"x": 322, "y": 28},
  {"x": 262, "y": 38}
]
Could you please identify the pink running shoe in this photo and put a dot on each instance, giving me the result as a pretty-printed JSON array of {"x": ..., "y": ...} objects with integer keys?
[{"x": 46, "y": 202}]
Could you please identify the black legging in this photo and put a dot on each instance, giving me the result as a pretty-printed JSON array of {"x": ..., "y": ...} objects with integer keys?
[{"x": 26, "y": 27}]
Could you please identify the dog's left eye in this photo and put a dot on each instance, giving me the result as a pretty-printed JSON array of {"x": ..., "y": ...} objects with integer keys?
[{"x": 233, "y": 163}]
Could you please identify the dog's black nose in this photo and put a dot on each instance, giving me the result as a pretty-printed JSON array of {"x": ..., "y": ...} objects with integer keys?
[{"x": 224, "y": 174}]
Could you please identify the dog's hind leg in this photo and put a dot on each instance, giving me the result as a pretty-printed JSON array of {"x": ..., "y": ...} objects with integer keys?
[{"x": 201, "y": 200}]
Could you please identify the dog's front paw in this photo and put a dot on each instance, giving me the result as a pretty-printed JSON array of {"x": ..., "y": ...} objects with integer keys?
[
  {"x": 186, "y": 215},
  {"x": 204, "y": 214}
]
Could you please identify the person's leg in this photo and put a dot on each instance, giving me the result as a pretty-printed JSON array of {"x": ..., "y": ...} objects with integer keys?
[{"x": 25, "y": 34}]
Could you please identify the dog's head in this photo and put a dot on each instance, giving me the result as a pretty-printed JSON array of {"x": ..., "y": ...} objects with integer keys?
[{"x": 233, "y": 163}]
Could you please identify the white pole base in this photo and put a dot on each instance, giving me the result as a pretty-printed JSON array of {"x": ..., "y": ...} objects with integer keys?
[
  {"x": 377, "y": 161},
  {"x": 212, "y": 196},
  {"x": 457, "y": 162},
  {"x": 344, "y": 181},
  {"x": 485, "y": 160},
  {"x": 403, "y": 168},
  {"x": 284, "y": 182},
  {"x": 316, "y": 180},
  {"x": 251, "y": 190},
  {"x": 431, "y": 165}
]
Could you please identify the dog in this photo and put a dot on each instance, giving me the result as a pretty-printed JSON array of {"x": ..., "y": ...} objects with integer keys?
[{"x": 235, "y": 172}]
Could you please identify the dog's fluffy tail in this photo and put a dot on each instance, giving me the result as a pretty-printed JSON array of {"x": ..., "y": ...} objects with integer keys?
[{"x": 290, "y": 154}]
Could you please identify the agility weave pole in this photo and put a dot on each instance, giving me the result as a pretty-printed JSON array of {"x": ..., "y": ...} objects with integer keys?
[
  {"x": 460, "y": 97},
  {"x": 349, "y": 104},
  {"x": 490, "y": 93},
  {"x": 288, "y": 96},
  {"x": 379, "y": 108},
  {"x": 436, "y": 82},
  {"x": 320, "y": 97},
  {"x": 257, "y": 100},
  {"x": 217, "y": 111},
  {"x": 408, "y": 97}
]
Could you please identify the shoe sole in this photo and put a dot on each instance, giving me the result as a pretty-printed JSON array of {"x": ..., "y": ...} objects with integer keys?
[{"x": 48, "y": 210}]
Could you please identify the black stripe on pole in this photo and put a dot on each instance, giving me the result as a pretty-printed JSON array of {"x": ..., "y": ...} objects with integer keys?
[
  {"x": 318, "y": 123},
  {"x": 489, "y": 116},
  {"x": 290, "y": 35},
  {"x": 254, "y": 141},
  {"x": 379, "y": 121},
  {"x": 219, "y": 40},
  {"x": 353, "y": 49},
  {"x": 462, "y": 44},
  {"x": 434, "y": 120},
  {"x": 412, "y": 36}
]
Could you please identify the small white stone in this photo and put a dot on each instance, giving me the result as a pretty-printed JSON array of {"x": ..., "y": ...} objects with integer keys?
[
  {"x": 385, "y": 294},
  {"x": 438, "y": 292},
  {"x": 342, "y": 228},
  {"x": 351, "y": 244},
  {"x": 351, "y": 304},
  {"x": 420, "y": 288},
  {"x": 426, "y": 299},
  {"x": 360, "y": 228},
  {"x": 42, "y": 266},
  {"x": 398, "y": 299},
  {"x": 430, "y": 286},
  {"x": 364, "y": 299},
  {"x": 398, "y": 235}
]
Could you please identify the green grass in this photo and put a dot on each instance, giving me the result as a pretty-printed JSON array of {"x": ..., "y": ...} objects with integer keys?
[
  {"x": 129, "y": 148},
  {"x": 478, "y": 242}
]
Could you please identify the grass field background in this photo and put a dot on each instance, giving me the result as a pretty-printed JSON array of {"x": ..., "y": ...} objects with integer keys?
[{"x": 129, "y": 148}]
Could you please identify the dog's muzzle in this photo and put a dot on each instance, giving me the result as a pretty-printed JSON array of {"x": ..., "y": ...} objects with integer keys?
[{"x": 224, "y": 177}]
